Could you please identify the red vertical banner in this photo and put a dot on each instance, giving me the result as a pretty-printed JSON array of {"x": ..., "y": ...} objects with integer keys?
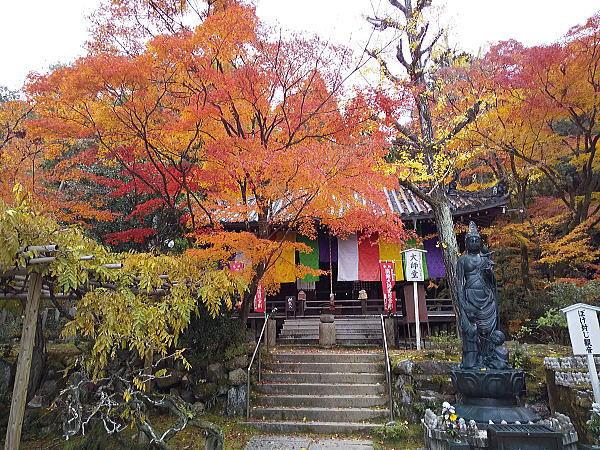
[
  {"x": 388, "y": 279},
  {"x": 368, "y": 256},
  {"x": 259, "y": 298}
]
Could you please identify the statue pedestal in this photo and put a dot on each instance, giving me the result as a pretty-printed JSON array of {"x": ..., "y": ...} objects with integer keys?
[{"x": 491, "y": 395}]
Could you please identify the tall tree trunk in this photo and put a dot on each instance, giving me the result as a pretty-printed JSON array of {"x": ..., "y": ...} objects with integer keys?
[
  {"x": 248, "y": 299},
  {"x": 525, "y": 268},
  {"x": 259, "y": 270},
  {"x": 447, "y": 237}
]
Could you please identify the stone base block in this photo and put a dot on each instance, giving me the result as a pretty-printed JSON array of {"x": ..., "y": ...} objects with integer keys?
[
  {"x": 482, "y": 414},
  {"x": 326, "y": 334}
]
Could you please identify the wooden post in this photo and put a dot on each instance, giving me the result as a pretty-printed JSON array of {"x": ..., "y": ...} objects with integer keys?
[
  {"x": 593, "y": 377},
  {"x": 417, "y": 318},
  {"x": 19, "y": 396}
]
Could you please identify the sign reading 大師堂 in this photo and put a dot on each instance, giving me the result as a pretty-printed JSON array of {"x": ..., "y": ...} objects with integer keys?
[{"x": 413, "y": 269}]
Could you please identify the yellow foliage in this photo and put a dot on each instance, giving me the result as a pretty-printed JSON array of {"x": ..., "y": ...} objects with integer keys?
[
  {"x": 574, "y": 249},
  {"x": 143, "y": 307}
]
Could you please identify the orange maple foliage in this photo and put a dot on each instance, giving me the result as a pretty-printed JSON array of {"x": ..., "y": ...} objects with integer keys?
[
  {"x": 543, "y": 115},
  {"x": 539, "y": 132},
  {"x": 221, "y": 124},
  {"x": 17, "y": 154}
]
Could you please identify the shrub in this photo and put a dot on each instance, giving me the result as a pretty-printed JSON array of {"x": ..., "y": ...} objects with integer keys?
[
  {"x": 594, "y": 422},
  {"x": 448, "y": 343},
  {"x": 209, "y": 338},
  {"x": 394, "y": 432}
]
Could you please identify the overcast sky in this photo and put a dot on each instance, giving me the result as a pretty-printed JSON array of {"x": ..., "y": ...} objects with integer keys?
[{"x": 38, "y": 33}]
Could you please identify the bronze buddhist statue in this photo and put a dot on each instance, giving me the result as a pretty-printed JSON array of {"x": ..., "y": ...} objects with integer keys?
[{"x": 477, "y": 300}]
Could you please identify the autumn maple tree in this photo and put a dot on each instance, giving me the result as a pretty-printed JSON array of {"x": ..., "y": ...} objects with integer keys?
[
  {"x": 222, "y": 123},
  {"x": 540, "y": 132},
  {"x": 17, "y": 154}
]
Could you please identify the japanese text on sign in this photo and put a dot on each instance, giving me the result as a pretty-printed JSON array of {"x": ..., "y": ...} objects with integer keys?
[
  {"x": 584, "y": 331},
  {"x": 414, "y": 266},
  {"x": 387, "y": 283},
  {"x": 259, "y": 298}
]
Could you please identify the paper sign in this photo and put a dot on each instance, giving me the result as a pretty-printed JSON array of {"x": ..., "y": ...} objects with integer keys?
[
  {"x": 413, "y": 269},
  {"x": 236, "y": 265}
]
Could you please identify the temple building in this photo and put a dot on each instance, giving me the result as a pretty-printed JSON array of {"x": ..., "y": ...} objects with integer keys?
[{"x": 353, "y": 264}]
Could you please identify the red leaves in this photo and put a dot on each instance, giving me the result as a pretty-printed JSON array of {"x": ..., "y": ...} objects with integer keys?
[
  {"x": 137, "y": 235},
  {"x": 147, "y": 207}
]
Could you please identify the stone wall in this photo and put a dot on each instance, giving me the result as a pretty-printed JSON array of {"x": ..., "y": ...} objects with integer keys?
[
  {"x": 421, "y": 385},
  {"x": 11, "y": 323},
  {"x": 570, "y": 390},
  {"x": 220, "y": 385},
  {"x": 437, "y": 437}
]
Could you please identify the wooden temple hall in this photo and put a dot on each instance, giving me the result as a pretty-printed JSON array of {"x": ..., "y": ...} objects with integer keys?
[{"x": 354, "y": 275}]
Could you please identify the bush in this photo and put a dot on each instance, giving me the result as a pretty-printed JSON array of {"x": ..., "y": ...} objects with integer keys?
[
  {"x": 594, "y": 422},
  {"x": 394, "y": 432},
  {"x": 209, "y": 339},
  {"x": 564, "y": 294},
  {"x": 448, "y": 343},
  {"x": 539, "y": 319}
]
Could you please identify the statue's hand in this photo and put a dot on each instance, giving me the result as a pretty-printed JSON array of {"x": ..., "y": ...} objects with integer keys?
[{"x": 468, "y": 327}]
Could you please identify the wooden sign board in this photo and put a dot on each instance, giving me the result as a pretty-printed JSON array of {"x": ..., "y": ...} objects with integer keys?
[
  {"x": 583, "y": 328},
  {"x": 413, "y": 267}
]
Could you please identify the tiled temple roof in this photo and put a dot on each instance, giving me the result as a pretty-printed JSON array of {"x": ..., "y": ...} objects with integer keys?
[
  {"x": 406, "y": 204},
  {"x": 410, "y": 207}
]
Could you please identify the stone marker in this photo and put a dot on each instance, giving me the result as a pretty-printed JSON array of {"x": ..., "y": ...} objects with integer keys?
[
  {"x": 327, "y": 330},
  {"x": 304, "y": 443}
]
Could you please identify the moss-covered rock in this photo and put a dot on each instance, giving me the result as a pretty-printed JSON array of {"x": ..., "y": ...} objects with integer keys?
[{"x": 204, "y": 391}]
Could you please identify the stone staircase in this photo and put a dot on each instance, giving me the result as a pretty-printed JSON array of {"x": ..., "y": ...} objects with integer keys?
[
  {"x": 321, "y": 391},
  {"x": 349, "y": 330}
]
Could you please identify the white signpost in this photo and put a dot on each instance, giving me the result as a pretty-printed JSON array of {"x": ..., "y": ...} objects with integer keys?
[
  {"x": 585, "y": 337},
  {"x": 413, "y": 271}
]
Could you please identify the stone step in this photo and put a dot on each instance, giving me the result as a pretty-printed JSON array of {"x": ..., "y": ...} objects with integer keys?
[
  {"x": 313, "y": 427},
  {"x": 346, "y": 329},
  {"x": 320, "y": 388},
  {"x": 291, "y": 377},
  {"x": 338, "y": 319},
  {"x": 313, "y": 329},
  {"x": 341, "y": 342},
  {"x": 325, "y": 367},
  {"x": 375, "y": 343},
  {"x": 297, "y": 341},
  {"x": 343, "y": 326},
  {"x": 333, "y": 357},
  {"x": 339, "y": 335},
  {"x": 324, "y": 401},
  {"x": 343, "y": 333},
  {"x": 320, "y": 414},
  {"x": 311, "y": 322}
]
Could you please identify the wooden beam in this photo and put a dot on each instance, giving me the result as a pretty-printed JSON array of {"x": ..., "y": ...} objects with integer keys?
[{"x": 19, "y": 396}]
